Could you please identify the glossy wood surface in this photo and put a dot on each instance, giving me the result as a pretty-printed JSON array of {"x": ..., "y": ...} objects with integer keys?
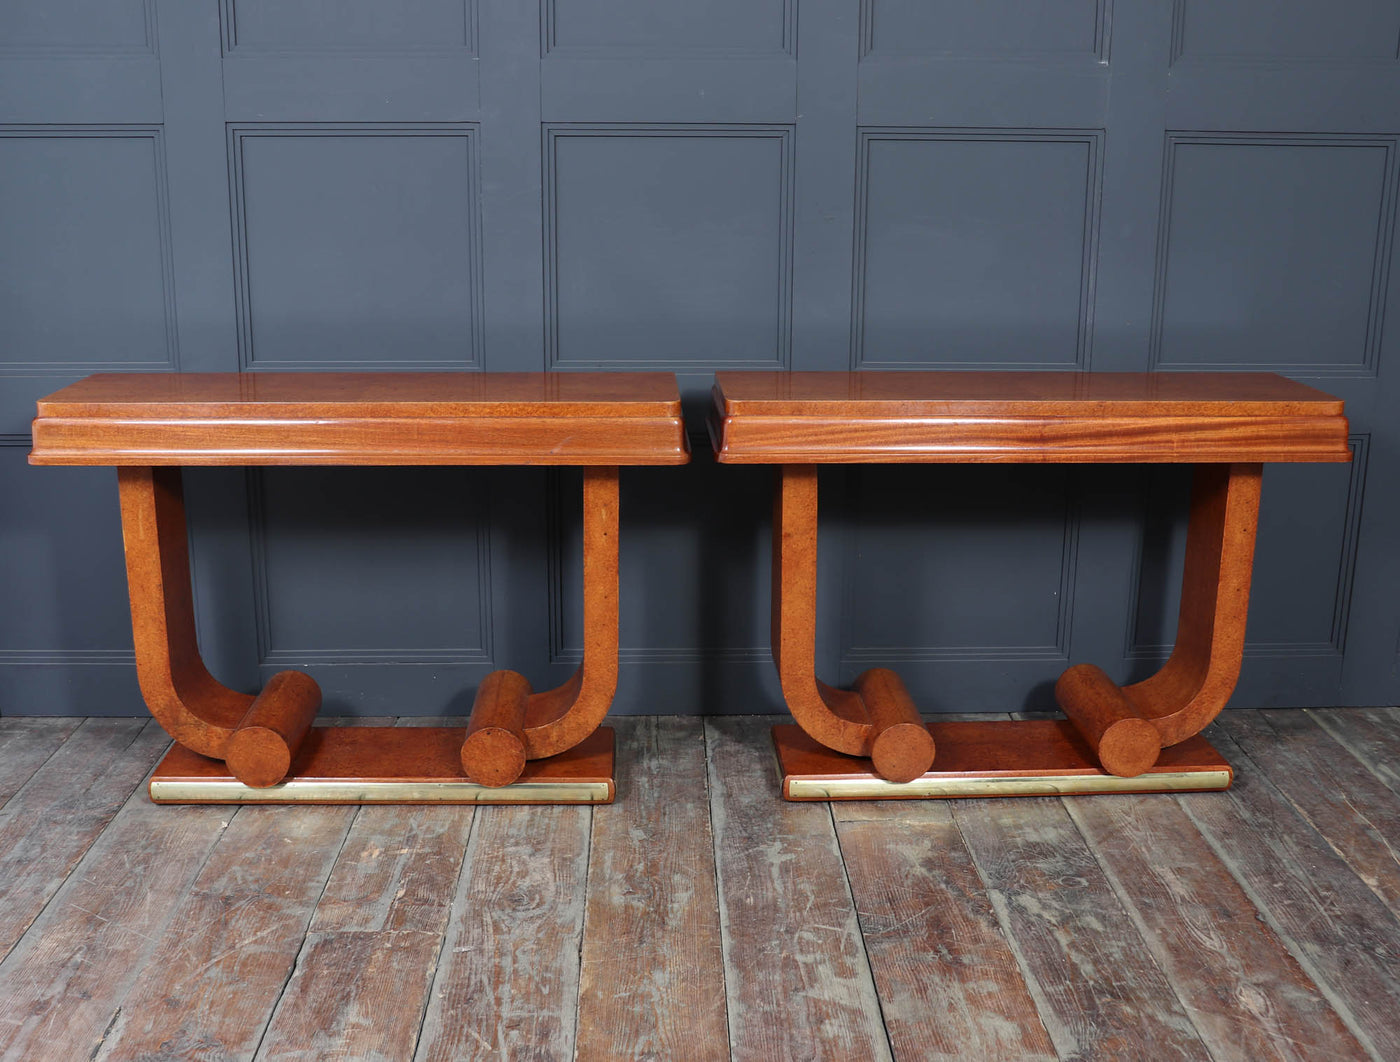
[
  {"x": 258, "y": 737},
  {"x": 146, "y": 423},
  {"x": 1226, "y": 424},
  {"x": 1021, "y": 417},
  {"x": 333, "y": 761},
  {"x": 996, "y": 757},
  {"x": 509, "y": 722},
  {"x": 363, "y": 419}
]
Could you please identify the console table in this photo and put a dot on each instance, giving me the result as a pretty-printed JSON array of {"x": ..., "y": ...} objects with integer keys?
[
  {"x": 870, "y": 741},
  {"x": 519, "y": 746}
]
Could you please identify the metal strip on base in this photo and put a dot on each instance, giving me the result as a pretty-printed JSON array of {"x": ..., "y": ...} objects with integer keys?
[
  {"x": 391, "y": 765},
  {"x": 997, "y": 758}
]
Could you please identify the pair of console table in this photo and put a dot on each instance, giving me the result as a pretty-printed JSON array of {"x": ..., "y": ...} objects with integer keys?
[{"x": 520, "y": 746}]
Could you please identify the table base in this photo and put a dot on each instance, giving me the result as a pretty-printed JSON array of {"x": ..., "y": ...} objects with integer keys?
[
  {"x": 391, "y": 765},
  {"x": 996, "y": 758}
]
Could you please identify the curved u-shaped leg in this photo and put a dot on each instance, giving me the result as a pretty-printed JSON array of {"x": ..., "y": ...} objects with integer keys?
[
  {"x": 255, "y": 735},
  {"x": 878, "y": 718},
  {"x": 1196, "y": 681},
  {"x": 510, "y": 724}
]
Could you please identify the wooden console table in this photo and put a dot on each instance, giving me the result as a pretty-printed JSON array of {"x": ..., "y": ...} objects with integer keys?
[
  {"x": 1142, "y": 737},
  {"x": 519, "y": 746}
]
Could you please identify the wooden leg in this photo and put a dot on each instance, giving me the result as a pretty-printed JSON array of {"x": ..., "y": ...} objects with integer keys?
[
  {"x": 272, "y": 756},
  {"x": 1114, "y": 739},
  {"x": 877, "y": 719},
  {"x": 509, "y": 723},
  {"x": 1193, "y": 686},
  {"x": 257, "y": 736}
]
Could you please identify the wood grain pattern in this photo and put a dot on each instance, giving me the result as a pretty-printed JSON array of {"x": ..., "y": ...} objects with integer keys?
[
  {"x": 220, "y": 965},
  {"x": 652, "y": 974},
  {"x": 351, "y": 997},
  {"x": 64, "y": 983},
  {"x": 1097, "y": 988},
  {"x": 50, "y": 823},
  {"x": 1340, "y": 932},
  {"x": 922, "y": 909},
  {"x": 363, "y": 419},
  {"x": 1371, "y": 736},
  {"x": 196, "y": 710},
  {"x": 1343, "y": 801},
  {"x": 1196, "y": 681},
  {"x": 25, "y": 745},
  {"x": 1266, "y": 935},
  {"x": 798, "y": 980},
  {"x": 1246, "y": 994},
  {"x": 507, "y": 982},
  {"x": 1020, "y": 417},
  {"x": 390, "y": 890},
  {"x": 1226, "y": 424}
]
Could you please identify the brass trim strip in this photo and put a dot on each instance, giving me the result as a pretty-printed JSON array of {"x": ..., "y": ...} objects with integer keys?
[
  {"x": 349, "y": 791},
  {"x": 810, "y": 788}
]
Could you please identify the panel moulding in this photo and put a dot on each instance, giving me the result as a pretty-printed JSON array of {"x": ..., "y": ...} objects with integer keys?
[
  {"x": 1368, "y": 362},
  {"x": 1058, "y": 649},
  {"x": 1097, "y": 51},
  {"x": 550, "y": 45},
  {"x": 239, "y": 133},
  {"x": 146, "y": 49},
  {"x": 553, "y": 132},
  {"x": 466, "y": 46},
  {"x": 1093, "y": 194},
  {"x": 270, "y": 655},
  {"x": 156, "y": 136}
]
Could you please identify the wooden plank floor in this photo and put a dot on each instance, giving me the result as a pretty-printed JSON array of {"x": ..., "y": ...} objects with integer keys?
[{"x": 701, "y": 917}]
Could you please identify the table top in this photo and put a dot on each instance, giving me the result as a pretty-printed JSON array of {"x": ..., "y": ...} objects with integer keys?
[
  {"x": 1022, "y": 417},
  {"x": 418, "y": 418}
]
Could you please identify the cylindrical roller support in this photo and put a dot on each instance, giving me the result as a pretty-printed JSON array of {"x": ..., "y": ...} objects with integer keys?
[
  {"x": 493, "y": 753},
  {"x": 260, "y": 750},
  {"x": 900, "y": 746},
  {"x": 1125, "y": 742}
]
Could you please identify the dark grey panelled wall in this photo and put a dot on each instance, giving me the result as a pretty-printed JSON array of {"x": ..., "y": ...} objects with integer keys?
[{"x": 487, "y": 185}]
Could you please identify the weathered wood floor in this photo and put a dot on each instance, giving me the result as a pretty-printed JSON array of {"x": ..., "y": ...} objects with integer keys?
[{"x": 703, "y": 918}]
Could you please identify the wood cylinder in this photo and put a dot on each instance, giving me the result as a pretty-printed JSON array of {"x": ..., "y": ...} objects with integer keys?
[
  {"x": 261, "y": 748},
  {"x": 493, "y": 753},
  {"x": 1125, "y": 743},
  {"x": 901, "y": 748}
]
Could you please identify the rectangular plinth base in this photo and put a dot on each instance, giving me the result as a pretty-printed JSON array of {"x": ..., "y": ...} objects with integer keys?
[
  {"x": 996, "y": 758},
  {"x": 391, "y": 765}
]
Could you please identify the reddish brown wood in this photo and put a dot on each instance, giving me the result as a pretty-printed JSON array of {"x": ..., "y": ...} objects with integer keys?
[
  {"x": 559, "y": 719},
  {"x": 193, "y": 708},
  {"x": 1125, "y": 742},
  {"x": 260, "y": 750},
  {"x": 493, "y": 752},
  {"x": 510, "y": 724},
  {"x": 1205, "y": 663},
  {"x": 144, "y": 423},
  {"x": 840, "y": 719},
  {"x": 363, "y": 419},
  {"x": 901, "y": 748},
  {"x": 998, "y": 749},
  {"x": 398, "y": 754},
  {"x": 1020, "y": 417},
  {"x": 1224, "y": 423}
]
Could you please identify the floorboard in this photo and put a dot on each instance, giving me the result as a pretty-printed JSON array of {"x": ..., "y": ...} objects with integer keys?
[
  {"x": 652, "y": 977},
  {"x": 703, "y": 918}
]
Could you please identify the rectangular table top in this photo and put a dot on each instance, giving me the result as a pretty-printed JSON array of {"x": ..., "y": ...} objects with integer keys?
[
  {"x": 416, "y": 418},
  {"x": 1022, "y": 417}
]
